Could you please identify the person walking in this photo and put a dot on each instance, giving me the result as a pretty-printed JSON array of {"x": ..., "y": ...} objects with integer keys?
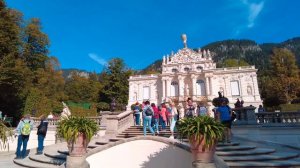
[
  {"x": 41, "y": 132},
  {"x": 168, "y": 114},
  {"x": 202, "y": 110},
  {"x": 163, "y": 116},
  {"x": 147, "y": 118},
  {"x": 224, "y": 115},
  {"x": 23, "y": 130},
  {"x": 181, "y": 111},
  {"x": 174, "y": 116},
  {"x": 155, "y": 117},
  {"x": 190, "y": 108},
  {"x": 137, "y": 113}
]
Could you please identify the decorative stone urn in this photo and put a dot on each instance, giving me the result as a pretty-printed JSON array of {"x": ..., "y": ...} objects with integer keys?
[
  {"x": 79, "y": 146},
  {"x": 200, "y": 152}
]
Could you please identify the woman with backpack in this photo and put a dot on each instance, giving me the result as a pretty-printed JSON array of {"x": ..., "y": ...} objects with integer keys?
[
  {"x": 41, "y": 132},
  {"x": 23, "y": 130},
  {"x": 147, "y": 116}
]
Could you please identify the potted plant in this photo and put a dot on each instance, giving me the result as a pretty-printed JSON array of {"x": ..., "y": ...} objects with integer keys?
[
  {"x": 203, "y": 133},
  {"x": 5, "y": 134},
  {"x": 77, "y": 131}
]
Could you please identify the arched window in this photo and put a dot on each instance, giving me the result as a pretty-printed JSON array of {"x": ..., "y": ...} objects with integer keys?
[
  {"x": 174, "y": 88},
  {"x": 199, "y": 67},
  {"x": 200, "y": 88},
  {"x": 174, "y": 70},
  {"x": 186, "y": 69}
]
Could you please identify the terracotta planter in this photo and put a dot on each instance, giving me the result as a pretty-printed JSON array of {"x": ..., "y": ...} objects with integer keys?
[
  {"x": 78, "y": 148},
  {"x": 200, "y": 152}
]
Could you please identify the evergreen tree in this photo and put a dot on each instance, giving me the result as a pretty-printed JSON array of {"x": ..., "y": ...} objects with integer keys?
[
  {"x": 36, "y": 43},
  {"x": 9, "y": 32},
  {"x": 284, "y": 82},
  {"x": 115, "y": 81}
]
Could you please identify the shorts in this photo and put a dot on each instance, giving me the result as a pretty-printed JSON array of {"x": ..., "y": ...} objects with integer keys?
[{"x": 227, "y": 123}]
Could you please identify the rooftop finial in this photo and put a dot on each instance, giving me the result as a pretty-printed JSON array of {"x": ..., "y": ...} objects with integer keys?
[{"x": 184, "y": 39}]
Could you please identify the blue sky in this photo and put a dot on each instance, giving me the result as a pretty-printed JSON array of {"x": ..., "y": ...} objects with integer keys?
[{"x": 86, "y": 34}]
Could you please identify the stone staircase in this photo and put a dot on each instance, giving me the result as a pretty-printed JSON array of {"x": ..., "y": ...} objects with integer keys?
[
  {"x": 235, "y": 154},
  {"x": 52, "y": 157}
]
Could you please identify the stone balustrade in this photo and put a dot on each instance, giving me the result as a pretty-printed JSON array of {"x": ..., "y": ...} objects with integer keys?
[
  {"x": 117, "y": 123},
  {"x": 278, "y": 118},
  {"x": 247, "y": 116},
  {"x": 52, "y": 122}
]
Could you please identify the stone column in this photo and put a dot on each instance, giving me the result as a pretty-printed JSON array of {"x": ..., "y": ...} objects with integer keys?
[
  {"x": 168, "y": 87},
  {"x": 255, "y": 88},
  {"x": 210, "y": 86},
  {"x": 241, "y": 86},
  {"x": 207, "y": 86},
  {"x": 163, "y": 89},
  {"x": 226, "y": 86},
  {"x": 194, "y": 78},
  {"x": 181, "y": 88}
]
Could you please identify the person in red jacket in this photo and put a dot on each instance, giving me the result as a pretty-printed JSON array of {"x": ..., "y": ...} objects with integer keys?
[{"x": 155, "y": 117}]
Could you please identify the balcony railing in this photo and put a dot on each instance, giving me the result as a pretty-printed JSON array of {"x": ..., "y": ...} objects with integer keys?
[{"x": 278, "y": 118}]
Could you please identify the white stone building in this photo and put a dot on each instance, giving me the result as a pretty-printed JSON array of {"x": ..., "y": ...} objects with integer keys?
[{"x": 193, "y": 74}]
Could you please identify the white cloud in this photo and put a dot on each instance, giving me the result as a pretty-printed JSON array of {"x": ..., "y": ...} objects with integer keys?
[
  {"x": 254, "y": 11},
  {"x": 98, "y": 59}
]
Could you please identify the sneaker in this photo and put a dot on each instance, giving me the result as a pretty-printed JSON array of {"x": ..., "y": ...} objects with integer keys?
[
  {"x": 18, "y": 157},
  {"x": 171, "y": 137},
  {"x": 157, "y": 132}
]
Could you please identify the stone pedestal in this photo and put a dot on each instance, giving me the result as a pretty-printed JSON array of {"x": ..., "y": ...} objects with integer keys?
[
  {"x": 245, "y": 116},
  {"x": 76, "y": 162}
]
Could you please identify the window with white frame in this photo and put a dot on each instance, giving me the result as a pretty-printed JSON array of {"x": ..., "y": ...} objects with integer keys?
[
  {"x": 146, "y": 92},
  {"x": 174, "y": 88},
  {"x": 235, "y": 88},
  {"x": 200, "y": 88}
]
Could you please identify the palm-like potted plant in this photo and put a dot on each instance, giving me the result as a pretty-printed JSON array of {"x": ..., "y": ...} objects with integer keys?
[
  {"x": 203, "y": 133},
  {"x": 5, "y": 134},
  {"x": 77, "y": 131}
]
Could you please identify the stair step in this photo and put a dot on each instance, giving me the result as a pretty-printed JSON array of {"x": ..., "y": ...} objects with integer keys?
[
  {"x": 66, "y": 152},
  {"x": 55, "y": 155},
  {"x": 257, "y": 151},
  {"x": 234, "y": 148},
  {"x": 45, "y": 159},
  {"x": 273, "y": 163},
  {"x": 33, "y": 164},
  {"x": 93, "y": 146},
  {"x": 101, "y": 142},
  {"x": 228, "y": 144},
  {"x": 275, "y": 156},
  {"x": 115, "y": 139}
]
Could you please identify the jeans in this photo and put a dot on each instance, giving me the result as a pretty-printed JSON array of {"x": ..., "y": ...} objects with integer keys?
[
  {"x": 156, "y": 124},
  {"x": 147, "y": 123},
  {"x": 137, "y": 119},
  {"x": 40, "y": 143},
  {"x": 163, "y": 125},
  {"x": 173, "y": 123},
  {"x": 22, "y": 140}
]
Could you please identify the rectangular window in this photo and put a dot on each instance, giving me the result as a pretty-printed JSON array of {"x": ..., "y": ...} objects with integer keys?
[
  {"x": 235, "y": 89},
  {"x": 146, "y": 93}
]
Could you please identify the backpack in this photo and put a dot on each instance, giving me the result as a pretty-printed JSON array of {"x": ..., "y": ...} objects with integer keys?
[
  {"x": 42, "y": 129},
  {"x": 26, "y": 128},
  {"x": 149, "y": 112}
]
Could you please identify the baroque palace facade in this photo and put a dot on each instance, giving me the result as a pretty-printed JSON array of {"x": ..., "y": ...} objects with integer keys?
[{"x": 190, "y": 73}]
